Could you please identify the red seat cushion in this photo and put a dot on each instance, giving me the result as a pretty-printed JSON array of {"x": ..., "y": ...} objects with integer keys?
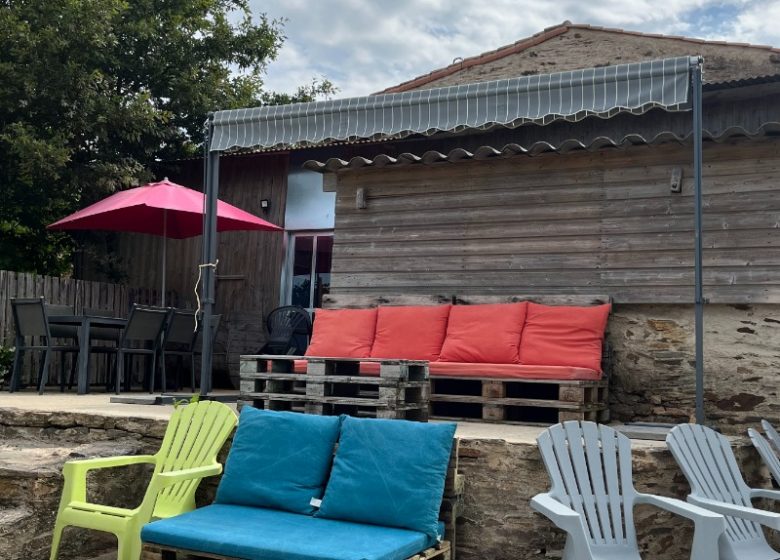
[
  {"x": 488, "y": 334},
  {"x": 498, "y": 371},
  {"x": 512, "y": 371},
  {"x": 343, "y": 333},
  {"x": 410, "y": 332},
  {"x": 564, "y": 335}
]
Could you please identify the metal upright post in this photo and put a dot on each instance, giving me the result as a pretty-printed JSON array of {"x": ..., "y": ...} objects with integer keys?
[
  {"x": 696, "y": 67},
  {"x": 209, "y": 256}
]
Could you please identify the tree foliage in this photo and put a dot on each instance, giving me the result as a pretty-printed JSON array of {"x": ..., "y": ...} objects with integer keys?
[{"x": 93, "y": 92}]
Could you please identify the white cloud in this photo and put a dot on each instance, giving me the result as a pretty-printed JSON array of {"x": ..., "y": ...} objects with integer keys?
[{"x": 367, "y": 45}]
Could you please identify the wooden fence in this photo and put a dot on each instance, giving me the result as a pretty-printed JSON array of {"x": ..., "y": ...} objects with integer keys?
[{"x": 80, "y": 294}]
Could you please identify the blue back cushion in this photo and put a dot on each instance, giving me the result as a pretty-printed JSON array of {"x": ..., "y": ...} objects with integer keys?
[
  {"x": 278, "y": 460},
  {"x": 390, "y": 473}
]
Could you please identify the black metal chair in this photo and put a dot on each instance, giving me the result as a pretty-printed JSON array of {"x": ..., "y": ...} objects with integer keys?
[
  {"x": 179, "y": 341},
  {"x": 289, "y": 330},
  {"x": 68, "y": 332},
  {"x": 31, "y": 321},
  {"x": 142, "y": 336}
]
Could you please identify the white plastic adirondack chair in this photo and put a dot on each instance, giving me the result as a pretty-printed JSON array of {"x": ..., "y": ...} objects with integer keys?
[
  {"x": 593, "y": 496},
  {"x": 771, "y": 435},
  {"x": 767, "y": 451},
  {"x": 708, "y": 463}
]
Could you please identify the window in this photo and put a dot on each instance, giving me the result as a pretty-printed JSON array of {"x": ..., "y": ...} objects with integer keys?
[{"x": 309, "y": 263}]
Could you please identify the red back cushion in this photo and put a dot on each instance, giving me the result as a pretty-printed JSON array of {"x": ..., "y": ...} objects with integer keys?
[
  {"x": 343, "y": 333},
  {"x": 564, "y": 336},
  {"x": 484, "y": 334},
  {"x": 410, "y": 332}
]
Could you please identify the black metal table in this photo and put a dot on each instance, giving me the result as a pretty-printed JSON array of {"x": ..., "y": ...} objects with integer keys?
[{"x": 84, "y": 323}]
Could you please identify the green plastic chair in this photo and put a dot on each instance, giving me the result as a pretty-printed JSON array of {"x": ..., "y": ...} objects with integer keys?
[{"x": 195, "y": 434}]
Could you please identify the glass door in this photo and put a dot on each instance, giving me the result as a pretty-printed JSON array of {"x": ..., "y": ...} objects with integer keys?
[{"x": 309, "y": 262}]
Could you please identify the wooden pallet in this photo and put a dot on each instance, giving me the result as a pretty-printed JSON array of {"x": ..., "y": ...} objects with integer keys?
[
  {"x": 524, "y": 401},
  {"x": 334, "y": 386}
]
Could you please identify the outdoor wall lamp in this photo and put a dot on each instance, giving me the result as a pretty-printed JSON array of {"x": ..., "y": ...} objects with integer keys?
[
  {"x": 675, "y": 182},
  {"x": 265, "y": 204}
]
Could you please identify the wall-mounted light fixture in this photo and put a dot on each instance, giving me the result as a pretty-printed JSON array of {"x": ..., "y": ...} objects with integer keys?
[
  {"x": 675, "y": 182},
  {"x": 360, "y": 199},
  {"x": 265, "y": 204}
]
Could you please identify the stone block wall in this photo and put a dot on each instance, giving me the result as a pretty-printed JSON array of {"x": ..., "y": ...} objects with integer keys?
[
  {"x": 653, "y": 377},
  {"x": 496, "y": 521}
]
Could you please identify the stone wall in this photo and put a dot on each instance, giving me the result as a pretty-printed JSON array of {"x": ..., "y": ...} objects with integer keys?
[
  {"x": 653, "y": 377},
  {"x": 496, "y": 521},
  {"x": 33, "y": 447}
]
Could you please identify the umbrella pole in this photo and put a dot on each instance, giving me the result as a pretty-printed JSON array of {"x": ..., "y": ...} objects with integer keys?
[
  {"x": 164, "y": 256},
  {"x": 209, "y": 257}
]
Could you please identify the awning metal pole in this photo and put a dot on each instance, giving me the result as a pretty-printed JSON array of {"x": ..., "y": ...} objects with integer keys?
[
  {"x": 696, "y": 64},
  {"x": 208, "y": 260}
]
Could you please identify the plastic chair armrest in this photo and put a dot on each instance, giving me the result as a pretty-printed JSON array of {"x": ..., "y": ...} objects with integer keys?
[
  {"x": 172, "y": 477},
  {"x": 766, "y": 518},
  {"x": 84, "y": 465},
  {"x": 764, "y": 493},
  {"x": 683, "y": 509},
  {"x": 708, "y": 525},
  {"x": 75, "y": 473},
  {"x": 561, "y": 515}
]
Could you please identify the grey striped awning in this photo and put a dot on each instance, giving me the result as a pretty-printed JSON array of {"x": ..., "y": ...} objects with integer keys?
[{"x": 539, "y": 99}]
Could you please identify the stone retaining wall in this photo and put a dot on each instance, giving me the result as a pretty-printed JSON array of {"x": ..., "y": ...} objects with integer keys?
[
  {"x": 496, "y": 521},
  {"x": 653, "y": 376}
]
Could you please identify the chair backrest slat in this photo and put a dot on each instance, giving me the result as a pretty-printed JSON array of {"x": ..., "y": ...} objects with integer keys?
[
  {"x": 145, "y": 324},
  {"x": 708, "y": 463},
  {"x": 771, "y": 435},
  {"x": 30, "y": 317},
  {"x": 590, "y": 469},
  {"x": 575, "y": 435},
  {"x": 609, "y": 454},
  {"x": 195, "y": 435},
  {"x": 182, "y": 328},
  {"x": 627, "y": 490},
  {"x": 768, "y": 454}
]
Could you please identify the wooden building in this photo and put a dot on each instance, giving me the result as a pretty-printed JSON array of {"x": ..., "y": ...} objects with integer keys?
[{"x": 597, "y": 206}]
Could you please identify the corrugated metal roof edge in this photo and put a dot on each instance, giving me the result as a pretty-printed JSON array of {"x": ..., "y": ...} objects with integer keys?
[
  {"x": 509, "y": 150},
  {"x": 708, "y": 87}
]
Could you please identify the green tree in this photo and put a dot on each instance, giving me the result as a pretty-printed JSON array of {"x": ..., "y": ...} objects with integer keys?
[{"x": 94, "y": 92}]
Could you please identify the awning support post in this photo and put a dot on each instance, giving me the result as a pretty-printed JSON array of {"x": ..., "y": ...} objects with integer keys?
[
  {"x": 696, "y": 68},
  {"x": 209, "y": 255}
]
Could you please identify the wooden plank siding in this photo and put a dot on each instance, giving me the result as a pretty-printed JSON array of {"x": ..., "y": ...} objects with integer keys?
[
  {"x": 250, "y": 263},
  {"x": 578, "y": 223}
]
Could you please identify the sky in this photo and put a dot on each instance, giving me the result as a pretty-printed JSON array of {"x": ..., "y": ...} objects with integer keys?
[{"x": 364, "y": 46}]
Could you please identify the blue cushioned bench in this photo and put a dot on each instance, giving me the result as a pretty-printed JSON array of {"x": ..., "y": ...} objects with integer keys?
[{"x": 388, "y": 492}]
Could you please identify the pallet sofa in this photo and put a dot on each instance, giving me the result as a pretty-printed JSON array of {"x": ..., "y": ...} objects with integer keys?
[
  {"x": 389, "y": 491},
  {"x": 490, "y": 358}
]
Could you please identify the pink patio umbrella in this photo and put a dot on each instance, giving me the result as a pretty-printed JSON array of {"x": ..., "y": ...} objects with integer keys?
[{"x": 164, "y": 209}]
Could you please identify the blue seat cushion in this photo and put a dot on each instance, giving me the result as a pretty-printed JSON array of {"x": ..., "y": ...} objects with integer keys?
[
  {"x": 265, "y": 534},
  {"x": 389, "y": 473},
  {"x": 278, "y": 460}
]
